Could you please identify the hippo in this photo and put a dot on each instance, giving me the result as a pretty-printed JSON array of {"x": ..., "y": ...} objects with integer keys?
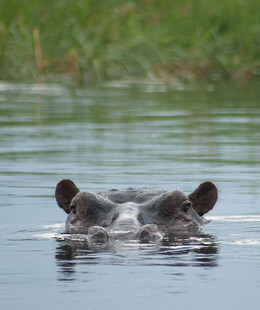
[{"x": 141, "y": 213}]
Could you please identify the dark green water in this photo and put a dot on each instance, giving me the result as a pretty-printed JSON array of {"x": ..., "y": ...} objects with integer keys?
[{"x": 117, "y": 136}]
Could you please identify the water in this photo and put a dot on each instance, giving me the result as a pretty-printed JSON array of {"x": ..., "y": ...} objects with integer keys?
[{"x": 116, "y": 136}]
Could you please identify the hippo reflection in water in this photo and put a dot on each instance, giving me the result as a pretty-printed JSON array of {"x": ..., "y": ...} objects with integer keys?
[{"x": 144, "y": 214}]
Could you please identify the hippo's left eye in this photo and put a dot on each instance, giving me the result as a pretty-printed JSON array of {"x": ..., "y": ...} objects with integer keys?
[
  {"x": 115, "y": 217},
  {"x": 73, "y": 209},
  {"x": 185, "y": 207}
]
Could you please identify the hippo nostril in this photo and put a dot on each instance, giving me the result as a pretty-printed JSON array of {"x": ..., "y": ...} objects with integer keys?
[
  {"x": 143, "y": 234},
  {"x": 149, "y": 233},
  {"x": 101, "y": 236},
  {"x": 98, "y": 234}
]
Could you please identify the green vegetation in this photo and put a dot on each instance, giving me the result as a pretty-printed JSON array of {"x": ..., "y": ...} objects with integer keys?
[{"x": 96, "y": 40}]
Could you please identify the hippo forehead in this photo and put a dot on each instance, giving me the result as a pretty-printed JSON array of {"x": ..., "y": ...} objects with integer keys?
[
  {"x": 130, "y": 199},
  {"x": 136, "y": 195}
]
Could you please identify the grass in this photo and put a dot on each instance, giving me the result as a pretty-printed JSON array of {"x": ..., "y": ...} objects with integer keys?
[{"x": 96, "y": 40}]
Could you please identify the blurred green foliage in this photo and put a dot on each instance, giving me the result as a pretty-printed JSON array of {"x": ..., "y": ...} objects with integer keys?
[{"x": 96, "y": 40}]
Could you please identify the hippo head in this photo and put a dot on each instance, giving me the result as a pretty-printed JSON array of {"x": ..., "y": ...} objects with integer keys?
[{"x": 145, "y": 214}]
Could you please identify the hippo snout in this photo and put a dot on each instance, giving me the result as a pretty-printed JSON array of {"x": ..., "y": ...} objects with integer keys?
[{"x": 126, "y": 219}]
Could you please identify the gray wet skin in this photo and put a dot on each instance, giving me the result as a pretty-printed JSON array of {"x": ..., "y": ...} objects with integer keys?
[{"x": 144, "y": 214}]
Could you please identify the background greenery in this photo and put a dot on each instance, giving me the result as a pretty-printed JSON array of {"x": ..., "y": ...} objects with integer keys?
[{"x": 96, "y": 40}]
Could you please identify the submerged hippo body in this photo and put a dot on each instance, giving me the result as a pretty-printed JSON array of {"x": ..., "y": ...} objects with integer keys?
[{"x": 144, "y": 214}]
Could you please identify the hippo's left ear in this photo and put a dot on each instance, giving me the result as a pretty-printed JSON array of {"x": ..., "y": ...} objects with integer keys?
[
  {"x": 65, "y": 191},
  {"x": 204, "y": 197}
]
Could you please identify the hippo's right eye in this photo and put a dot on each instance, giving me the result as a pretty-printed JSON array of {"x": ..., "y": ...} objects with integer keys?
[
  {"x": 73, "y": 209},
  {"x": 185, "y": 207}
]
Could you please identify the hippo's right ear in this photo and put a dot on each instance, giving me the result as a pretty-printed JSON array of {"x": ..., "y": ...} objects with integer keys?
[{"x": 65, "y": 191}]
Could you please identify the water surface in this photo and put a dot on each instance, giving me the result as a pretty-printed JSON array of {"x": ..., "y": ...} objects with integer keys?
[{"x": 116, "y": 136}]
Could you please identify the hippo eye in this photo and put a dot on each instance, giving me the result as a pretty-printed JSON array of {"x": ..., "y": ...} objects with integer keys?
[
  {"x": 115, "y": 217},
  {"x": 185, "y": 207},
  {"x": 73, "y": 209}
]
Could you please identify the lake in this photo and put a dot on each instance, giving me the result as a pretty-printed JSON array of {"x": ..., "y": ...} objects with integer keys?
[{"x": 119, "y": 135}]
